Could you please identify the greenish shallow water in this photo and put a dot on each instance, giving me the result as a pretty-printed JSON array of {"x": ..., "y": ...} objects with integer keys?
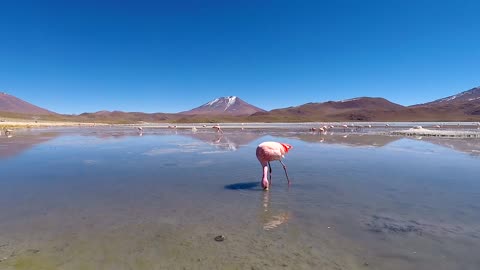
[{"x": 107, "y": 198}]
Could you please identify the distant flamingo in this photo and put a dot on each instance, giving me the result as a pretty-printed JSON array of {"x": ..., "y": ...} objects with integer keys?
[
  {"x": 270, "y": 151},
  {"x": 217, "y": 127},
  {"x": 344, "y": 127}
]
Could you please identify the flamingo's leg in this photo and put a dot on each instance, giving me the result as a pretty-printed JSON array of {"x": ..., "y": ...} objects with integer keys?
[
  {"x": 285, "y": 169},
  {"x": 270, "y": 173}
]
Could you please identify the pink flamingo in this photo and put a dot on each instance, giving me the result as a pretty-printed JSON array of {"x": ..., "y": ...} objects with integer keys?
[
  {"x": 217, "y": 127},
  {"x": 269, "y": 151}
]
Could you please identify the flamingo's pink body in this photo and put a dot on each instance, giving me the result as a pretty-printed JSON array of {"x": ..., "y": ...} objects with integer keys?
[
  {"x": 270, "y": 151},
  {"x": 217, "y": 127}
]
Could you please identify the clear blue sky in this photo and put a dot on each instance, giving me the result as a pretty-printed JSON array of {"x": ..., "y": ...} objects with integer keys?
[{"x": 169, "y": 56}]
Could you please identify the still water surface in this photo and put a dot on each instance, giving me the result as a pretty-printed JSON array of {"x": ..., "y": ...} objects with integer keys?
[{"x": 107, "y": 198}]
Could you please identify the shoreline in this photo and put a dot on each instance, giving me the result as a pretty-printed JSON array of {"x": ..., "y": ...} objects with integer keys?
[
  {"x": 450, "y": 130},
  {"x": 40, "y": 124}
]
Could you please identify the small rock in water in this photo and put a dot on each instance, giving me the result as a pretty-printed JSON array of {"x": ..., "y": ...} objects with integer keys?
[{"x": 219, "y": 238}]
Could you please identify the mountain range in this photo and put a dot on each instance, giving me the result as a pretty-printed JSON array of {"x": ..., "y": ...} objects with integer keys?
[{"x": 464, "y": 106}]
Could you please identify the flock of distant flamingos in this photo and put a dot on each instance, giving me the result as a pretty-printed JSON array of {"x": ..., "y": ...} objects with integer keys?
[{"x": 323, "y": 129}]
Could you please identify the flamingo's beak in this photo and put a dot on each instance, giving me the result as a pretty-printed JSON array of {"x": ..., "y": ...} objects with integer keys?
[{"x": 265, "y": 184}]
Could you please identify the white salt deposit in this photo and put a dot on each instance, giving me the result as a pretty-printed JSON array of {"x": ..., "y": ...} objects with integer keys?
[{"x": 419, "y": 131}]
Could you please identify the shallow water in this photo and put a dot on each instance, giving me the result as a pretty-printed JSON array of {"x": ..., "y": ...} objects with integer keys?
[{"x": 107, "y": 198}]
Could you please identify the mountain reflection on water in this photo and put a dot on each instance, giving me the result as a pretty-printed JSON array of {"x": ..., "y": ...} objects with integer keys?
[{"x": 17, "y": 143}]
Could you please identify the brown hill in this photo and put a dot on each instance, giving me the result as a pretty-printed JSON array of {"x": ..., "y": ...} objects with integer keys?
[
  {"x": 231, "y": 105},
  {"x": 462, "y": 106},
  {"x": 9, "y": 103},
  {"x": 469, "y": 96},
  {"x": 125, "y": 117},
  {"x": 356, "y": 109}
]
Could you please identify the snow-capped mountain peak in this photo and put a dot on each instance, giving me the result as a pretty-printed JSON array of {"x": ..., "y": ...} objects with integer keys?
[
  {"x": 231, "y": 105},
  {"x": 231, "y": 101},
  {"x": 227, "y": 101}
]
